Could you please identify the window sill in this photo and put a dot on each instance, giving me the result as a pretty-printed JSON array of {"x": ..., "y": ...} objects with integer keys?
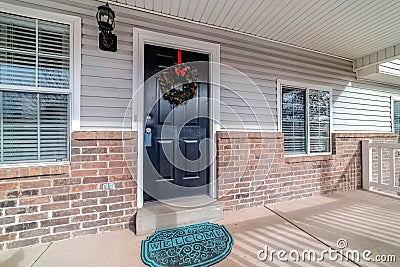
[
  {"x": 20, "y": 170},
  {"x": 308, "y": 158}
]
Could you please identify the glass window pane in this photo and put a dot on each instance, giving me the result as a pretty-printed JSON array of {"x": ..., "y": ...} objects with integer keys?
[
  {"x": 396, "y": 117},
  {"x": 53, "y": 127},
  {"x": 53, "y": 55},
  {"x": 33, "y": 52},
  {"x": 319, "y": 120},
  {"x": 293, "y": 120},
  {"x": 20, "y": 127},
  {"x": 35, "y": 127},
  {"x": 18, "y": 50}
]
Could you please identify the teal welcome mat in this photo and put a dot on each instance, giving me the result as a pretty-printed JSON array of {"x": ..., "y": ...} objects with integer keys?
[{"x": 201, "y": 244}]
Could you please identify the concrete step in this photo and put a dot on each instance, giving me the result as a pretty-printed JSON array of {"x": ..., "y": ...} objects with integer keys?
[{"x": 177, "y": 212}]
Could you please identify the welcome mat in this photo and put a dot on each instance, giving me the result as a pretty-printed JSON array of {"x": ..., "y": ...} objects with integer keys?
[{"x": 201, "y": 244}]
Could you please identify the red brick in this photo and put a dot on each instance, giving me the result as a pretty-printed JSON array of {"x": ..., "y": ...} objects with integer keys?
[
  {"x": 121, "y": 206},
  {"x": 94, "y": 209},
  {"x": 55, "y": 190},
  {"x": 21, "y": 210},
  {"x": 54, "y": 222},
  {"x": 111, "y": 171},
  {"x": 65, "y": 213},
  {"x": 83, "y": 173},
  {"x": 114, "y": 164},
  {"x": 83, "y": 158},
  {"x": 84, "y": 218},
  {"x": 94, "y": 223},
  {"x": 35, "y": 184},
  {"x": 33, "y": 217},
  {"x": 85, "y": 188},
  {"x": 66, "y": 197},
  {"x": 118, "y": 192},
  {"x": 8, "y": 186},
  {"x": 83, "y": 143},
  {"x": 98, "y": 179},
  {"x": 67, "y": 181},
  {"x": 94, "y": 165},
  {"x": 34, "y": 233},
  {"x": 8, "y": 237},
  {"x": 94, "y": 150},
  {"x": 109, "y": 200},
  {"x": 66, "y": 228},
  {"x": 3, "y": 174},
  {"x": 111, "y": 157},
  {"x": 111, "y": 214},
  {"x": 55, "y": 206},
  {"x": 118, "y": 149},
  {"x": 95, "y": 194},
  {"x": 84, "y": 202},
  {"x": 23, "y": 243},
  {"x": 36, "y": 200}
]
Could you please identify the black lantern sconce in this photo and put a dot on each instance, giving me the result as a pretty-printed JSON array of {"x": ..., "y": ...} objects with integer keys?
[{"x": 106, "y": 20}]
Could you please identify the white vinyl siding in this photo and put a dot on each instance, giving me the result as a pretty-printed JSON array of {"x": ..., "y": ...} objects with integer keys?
[
  {"x": 34, "y": 89},
  {"x": 106, "y": 90},
  {"x": 306, "y": 120}
]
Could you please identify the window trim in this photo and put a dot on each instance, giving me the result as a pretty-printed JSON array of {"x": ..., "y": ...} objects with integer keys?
[
  {"x": 392, "y": 99},
  {"x": 307, "y": 87},
  {"x": 74, "y": 90}
]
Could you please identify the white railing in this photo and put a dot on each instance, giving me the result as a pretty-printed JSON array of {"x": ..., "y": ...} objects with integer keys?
[{"x": 374, "y": 179}]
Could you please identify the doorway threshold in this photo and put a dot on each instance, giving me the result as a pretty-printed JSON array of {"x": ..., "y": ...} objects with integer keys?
[{"x": 159, "y": 215}]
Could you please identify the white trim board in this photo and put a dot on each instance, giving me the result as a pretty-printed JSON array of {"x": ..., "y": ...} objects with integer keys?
[{"x": 142, "y": 37}]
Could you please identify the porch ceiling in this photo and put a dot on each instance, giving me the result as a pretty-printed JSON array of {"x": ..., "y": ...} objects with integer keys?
[{"x": 348, "y": 29}]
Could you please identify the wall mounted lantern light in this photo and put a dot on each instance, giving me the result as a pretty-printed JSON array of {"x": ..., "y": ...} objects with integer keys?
[{"x": 106, "y": 20}]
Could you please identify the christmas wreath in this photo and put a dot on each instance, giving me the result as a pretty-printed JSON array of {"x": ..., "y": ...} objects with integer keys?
[{"x": 178, "y": 84}]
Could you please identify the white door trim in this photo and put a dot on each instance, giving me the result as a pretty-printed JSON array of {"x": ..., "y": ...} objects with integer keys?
[{"x": 142, "y": 37}]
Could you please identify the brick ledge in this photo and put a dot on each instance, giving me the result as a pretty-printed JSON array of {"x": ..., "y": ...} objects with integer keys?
[
  {"x": 248, "y": 135},
  {"x": 308, "y": 158},
  {"x": 103, "y": 135},
  {"x": 18, "y": 171},
  {"x": 363, "y": 135}
]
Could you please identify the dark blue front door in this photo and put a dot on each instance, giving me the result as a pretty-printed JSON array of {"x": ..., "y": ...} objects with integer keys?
[{"x": 176, "y": 131}]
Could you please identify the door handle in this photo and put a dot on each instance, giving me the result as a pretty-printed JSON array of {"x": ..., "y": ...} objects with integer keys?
[{"x": 148, "y": 138}]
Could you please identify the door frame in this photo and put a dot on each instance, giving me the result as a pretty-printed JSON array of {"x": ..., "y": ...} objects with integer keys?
[{"x": 142, "y": 37}]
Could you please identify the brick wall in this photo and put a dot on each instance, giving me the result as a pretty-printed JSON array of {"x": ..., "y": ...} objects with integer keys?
[
  {"x": 253, "y": 171},
  {"x": 49, "y": 203}
]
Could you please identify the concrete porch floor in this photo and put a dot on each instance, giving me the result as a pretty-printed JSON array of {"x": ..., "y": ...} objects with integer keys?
[{"x": 365, "y": 220}]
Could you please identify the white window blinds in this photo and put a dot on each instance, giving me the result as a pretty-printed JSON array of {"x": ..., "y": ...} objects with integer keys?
[
  {"x": 33, "y": 52},
  {"x": 294, "y": 119},
  {"x": 396, "y": 117},
  {"x": 34, "y": 57},
  {"x": 319, "y": 121}
]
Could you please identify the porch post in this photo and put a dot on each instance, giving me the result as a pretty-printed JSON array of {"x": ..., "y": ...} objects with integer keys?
[{"x": 366, "y": 156}]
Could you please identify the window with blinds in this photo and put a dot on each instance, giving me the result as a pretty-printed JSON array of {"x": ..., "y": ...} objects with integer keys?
[
  {"x": 34, "y": 89},
  {"x": 396, "y": 117},
  {"x": 294, "y": 119},
  {"x": 306, "y": 120}
]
